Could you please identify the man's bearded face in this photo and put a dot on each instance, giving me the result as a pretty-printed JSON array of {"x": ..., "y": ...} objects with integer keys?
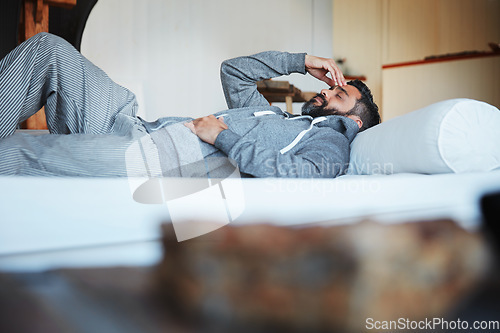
[{"x": 317, "y": 107}]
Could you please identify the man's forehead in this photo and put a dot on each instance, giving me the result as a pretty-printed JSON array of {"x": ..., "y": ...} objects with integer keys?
[{"x": 352, "y": 91}]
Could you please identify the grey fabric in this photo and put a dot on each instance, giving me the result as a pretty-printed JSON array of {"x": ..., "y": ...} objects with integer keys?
[
  {"x": 77, "y": 155},
  {"x": 179, "y": 147},
  {"x": 78, "y": 96},
  {"x": 80, "y": 99}
]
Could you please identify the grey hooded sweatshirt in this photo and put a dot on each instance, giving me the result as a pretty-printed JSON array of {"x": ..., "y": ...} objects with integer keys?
[{"x": 264, "y": 140}]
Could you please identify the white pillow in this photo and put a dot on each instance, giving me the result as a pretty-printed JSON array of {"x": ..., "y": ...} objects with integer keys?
[{"x": 456, "y": 135}]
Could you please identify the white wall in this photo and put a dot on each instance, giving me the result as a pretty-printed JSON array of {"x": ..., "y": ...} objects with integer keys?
[
  {"x": 169, "y": 51},
  {"x": 357, "y": 36}
]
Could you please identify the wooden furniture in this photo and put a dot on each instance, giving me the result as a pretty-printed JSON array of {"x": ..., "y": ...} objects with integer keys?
[
  {"x": 410, "y": 270},
  {"x": 445, "y": 57},
  {"x": 35, "y": 19},
  {"x": 320, "y": 278},
  {"x": 283, "y": 91}
]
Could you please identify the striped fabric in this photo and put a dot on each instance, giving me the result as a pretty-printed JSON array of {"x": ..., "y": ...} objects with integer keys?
[{"x": 79, "y": 99}]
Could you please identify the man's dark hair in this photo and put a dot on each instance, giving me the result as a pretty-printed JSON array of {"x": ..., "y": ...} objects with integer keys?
[{"x": 365, "y": 108}]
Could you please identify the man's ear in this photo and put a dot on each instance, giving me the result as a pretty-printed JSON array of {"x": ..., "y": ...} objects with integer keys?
[{"x": 357, "y": 119}]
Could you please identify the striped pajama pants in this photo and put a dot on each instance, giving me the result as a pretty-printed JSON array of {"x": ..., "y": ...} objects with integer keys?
[{"x": 80, "y": 99}]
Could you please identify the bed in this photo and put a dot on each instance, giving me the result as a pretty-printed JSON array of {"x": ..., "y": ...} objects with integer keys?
[
  {"x": 436, "y": 162},
  {"x": 99, "y": 215},
  {"x": 401, "y": 234}
]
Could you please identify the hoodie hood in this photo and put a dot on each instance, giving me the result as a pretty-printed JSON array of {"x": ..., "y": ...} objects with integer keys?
[{"x": 346, "y": 126}]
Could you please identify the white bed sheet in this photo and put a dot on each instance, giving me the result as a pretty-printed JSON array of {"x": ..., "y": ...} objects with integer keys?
[{"x": 53, "y": 222}]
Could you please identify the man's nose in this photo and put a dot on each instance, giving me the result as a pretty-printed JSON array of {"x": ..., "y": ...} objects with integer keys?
[{"x": 325, "y": 92}]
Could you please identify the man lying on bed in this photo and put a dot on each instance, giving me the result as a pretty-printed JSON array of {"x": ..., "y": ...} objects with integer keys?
[{"x": 81, "y": 100}]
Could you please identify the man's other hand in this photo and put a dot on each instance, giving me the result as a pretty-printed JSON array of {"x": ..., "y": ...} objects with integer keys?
[
  {"x": 320, "y": 67},
  {"x": 207, "y": 128}
]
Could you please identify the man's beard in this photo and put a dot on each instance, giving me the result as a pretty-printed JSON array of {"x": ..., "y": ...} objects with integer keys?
[{"x": 310, "y": 109}]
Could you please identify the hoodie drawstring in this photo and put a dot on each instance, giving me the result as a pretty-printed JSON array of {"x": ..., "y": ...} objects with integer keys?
[{"x": 301, "y": 135}]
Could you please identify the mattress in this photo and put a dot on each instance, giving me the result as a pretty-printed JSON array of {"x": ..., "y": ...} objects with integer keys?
[{"x": 55, "y": 222}]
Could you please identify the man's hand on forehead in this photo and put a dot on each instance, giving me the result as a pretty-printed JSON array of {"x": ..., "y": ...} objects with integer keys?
[{"x": 320, "y": 67}]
